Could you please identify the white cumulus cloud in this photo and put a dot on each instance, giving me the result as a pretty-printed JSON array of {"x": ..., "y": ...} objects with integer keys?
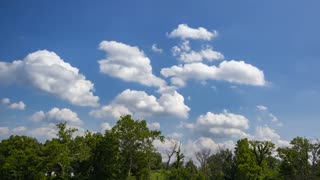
[
  {"x": 46, "y": 132},
  {"x": 47, "y": 72},
  {"x": 141, "y": 105},
  {"x": 262, "y": 107},
  {"x": 19, "y": 105},
  {"x": 56, "y": 115},
  {"x": 5, "y": 101},
  {"x": 105, "y": 126},
  {"x": 224, "y": 125},
  {"x": 265, "y": 133},
  {"x": 128, "y": 63},
  {"x": 183, "y": 31},
  {"x": 186, "y": 55},
  {"x": 231, "y": 71}
]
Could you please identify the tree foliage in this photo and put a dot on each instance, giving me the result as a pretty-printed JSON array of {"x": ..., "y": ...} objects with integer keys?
[{"x": 127, "y": 152}]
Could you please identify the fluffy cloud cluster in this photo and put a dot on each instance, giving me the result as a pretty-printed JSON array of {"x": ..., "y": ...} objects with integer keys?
[
  {"x": 224, "y": 125},
  {"x": 49, "y": 73},
  {"x": 183, "y": 31},
  {"x": 128, "y": 63},
  {"x": 141, "y": 105},
  {"x": 265, "y": 133},
  {"x": 5, "y": 131},
  {"x": 57, "y": 115},
  {"x": 231, "y": 71},
  {"x": 18, "y": 105},
  {"x": 47, "y": 131},
  {"x": 186, "y": 55}
]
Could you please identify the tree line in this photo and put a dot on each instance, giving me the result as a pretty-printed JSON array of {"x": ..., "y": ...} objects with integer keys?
[{"x": 127, "y": 152}]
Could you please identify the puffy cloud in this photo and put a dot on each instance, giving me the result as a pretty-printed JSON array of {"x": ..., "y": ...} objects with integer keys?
[
  {"x": 156, "y": 49},
  {"x": 19, "y": 130},
  {"x": 47, "y": 72},
  {"x": 154, "y": 126},
  {"x": 4, "y": 130},
  {"x": 140, "y": 104},
  {"x": 105, "y": 126},
  {"x": 190, "y": 126},
  {"x": 5, "y": 101},
  {"x": 183, "y": 31},
  {"x": 186, "y": 55},
  {"x": 58, "y": 115},
  {"x": 265, "y": 133},
  {"x": 224, "y": 125},
  {"x": 262, "y": 108},
  {"x": 231, "y": 71},
  {"x": 19, "y": 106},
  {"x": 38, "y": 116},
  {"x": 46, "y": 132},
  {"x": 224, "y": 119},
  {"x": 128, "y": 63}
]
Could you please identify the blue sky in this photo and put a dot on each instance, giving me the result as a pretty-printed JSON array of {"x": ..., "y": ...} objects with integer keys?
[{"x": 276, "y": 38}]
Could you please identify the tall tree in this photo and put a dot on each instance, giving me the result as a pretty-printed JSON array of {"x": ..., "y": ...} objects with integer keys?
[
  {"x": 295, "y": 159},
  {"x": 246, "y": 166},
  {"x": 221, "y": 165},
  {"x": 135, "y": 144}
]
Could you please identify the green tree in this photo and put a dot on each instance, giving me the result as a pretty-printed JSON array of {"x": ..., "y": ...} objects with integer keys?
[
  {"x": 246, "y": 166},
  {"x": 19, "y": 158},
  {"x": 58, "y": 154},
  {"x": 262, "y": 151},
  {"x": 135, "y": 145},
  {"x": 106, "y": 158},
  {"x": 221, "y": 165},
  {"x": 295, "y": 159}
]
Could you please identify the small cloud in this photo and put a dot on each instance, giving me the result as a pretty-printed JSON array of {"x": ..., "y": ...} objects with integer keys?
[
  {"x": 262, "y": 108},
  {"x": 38, "y": 116},
  {"x": 5, "y": 101},
  {"x": 183, "y": 31},
  {"x": 57, "y": 115},
  {"x": 156, "y": 49},
  {"x": 105, "y": 126},
  {"x": 19, "y": 106}
]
